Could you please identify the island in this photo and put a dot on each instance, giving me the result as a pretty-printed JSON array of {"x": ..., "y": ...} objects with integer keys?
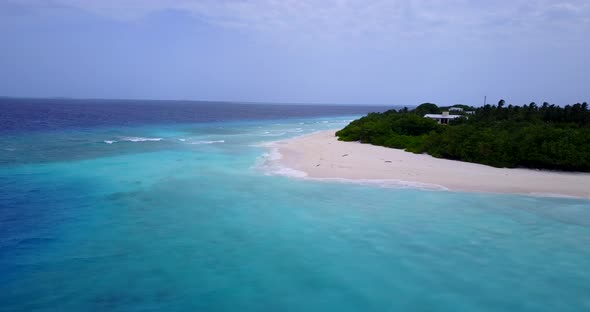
[
  {"x": 545, "y": 137},
  {"x": 522, "y": 150}
]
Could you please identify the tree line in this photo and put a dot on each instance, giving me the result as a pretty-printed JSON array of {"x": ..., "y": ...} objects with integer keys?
[{"x": 530, "y": 136}]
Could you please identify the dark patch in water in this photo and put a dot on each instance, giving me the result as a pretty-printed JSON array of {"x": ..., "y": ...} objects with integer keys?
[
  {"x": 35, "y": 241},
  {"x": 123, "y": 195},
  {"x": 115, "y": 300}
]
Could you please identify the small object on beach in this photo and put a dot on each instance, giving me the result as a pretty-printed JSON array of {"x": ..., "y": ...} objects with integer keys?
[
  {"x": 344, "y": 155},
  {"x": 317, "y": 165},
  {"x": 388, "y": 161}
]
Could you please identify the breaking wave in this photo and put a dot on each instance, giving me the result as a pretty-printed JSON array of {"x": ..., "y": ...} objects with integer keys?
[
  {"x": 207, "y": 142},
  {"x": 133, "y": 139},
  {"x": 269, "y": 164},
  {"x": 272, "y": 134},
  {"x": 140, "y": 139}
]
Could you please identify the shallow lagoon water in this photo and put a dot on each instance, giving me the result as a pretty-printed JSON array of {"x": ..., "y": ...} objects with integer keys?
[{"x": 192, "y": 221}]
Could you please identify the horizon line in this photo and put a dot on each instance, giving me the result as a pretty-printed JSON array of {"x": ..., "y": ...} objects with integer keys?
[
  {"x": 256, "y": 102},
  {"x": 189, "y": 100}
]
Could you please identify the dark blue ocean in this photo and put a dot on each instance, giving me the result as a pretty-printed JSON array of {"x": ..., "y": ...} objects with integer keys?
[{"x": 165, "y": 206}]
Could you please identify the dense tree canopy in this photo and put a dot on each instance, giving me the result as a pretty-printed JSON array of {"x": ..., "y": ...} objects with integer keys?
[
  {"x": 427, "y": 108},
  {"x": 546, "y": 136}
]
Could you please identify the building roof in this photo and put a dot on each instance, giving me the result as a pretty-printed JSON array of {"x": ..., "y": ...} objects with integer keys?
[{"x": 441, "y": 116}]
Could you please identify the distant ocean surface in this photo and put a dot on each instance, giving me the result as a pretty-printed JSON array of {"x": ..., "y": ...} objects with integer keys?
[{"x": 168, "y": 206}]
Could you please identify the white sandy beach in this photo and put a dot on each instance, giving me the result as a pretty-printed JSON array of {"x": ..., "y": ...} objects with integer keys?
[{"x": 321, "y": 155}]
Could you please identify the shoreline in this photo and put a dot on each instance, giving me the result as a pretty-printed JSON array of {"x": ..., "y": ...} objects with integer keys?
[{"x": 320, "y": 156}]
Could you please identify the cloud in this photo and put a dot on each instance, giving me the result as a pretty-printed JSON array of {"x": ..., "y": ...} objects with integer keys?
[{"x": 353, "y": 18}]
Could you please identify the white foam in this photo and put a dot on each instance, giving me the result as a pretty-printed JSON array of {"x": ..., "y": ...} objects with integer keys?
[
  {"x": 289, "y": 172},
  {"x": 10, "y": 149},
  {"x": 553, "y": 195},
  {"x": 274, "y": 155},
  {"x": 110, "y": 141},
  {"x": 140, "y": 139},
  {"x": 207, "y": 142},
  {"x": 182, "y": 140},
  {"x": 269, "y": 164},
  {"x": 270, "y": 134},
  {"x": 388, "y": 183}
]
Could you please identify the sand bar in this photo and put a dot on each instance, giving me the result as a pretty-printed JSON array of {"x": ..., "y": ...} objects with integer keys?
[{"x": 320, "y": 155}]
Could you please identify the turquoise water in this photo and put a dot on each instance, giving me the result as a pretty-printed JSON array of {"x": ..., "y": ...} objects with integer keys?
[{"x": 182, "y": 217}]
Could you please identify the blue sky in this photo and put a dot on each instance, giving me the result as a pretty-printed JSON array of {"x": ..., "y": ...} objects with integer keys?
[{"x": 323, "y": 51}]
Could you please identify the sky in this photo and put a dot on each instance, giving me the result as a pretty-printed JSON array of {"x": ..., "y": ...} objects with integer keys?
[{"x": 299, "y": 51}]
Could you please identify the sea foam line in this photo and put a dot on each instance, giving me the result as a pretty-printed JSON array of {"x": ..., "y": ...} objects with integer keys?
[
  {"x": 207, "y": 142},
  {"x": 140, "y": 139},
  {"x": 133, "y": 139}
]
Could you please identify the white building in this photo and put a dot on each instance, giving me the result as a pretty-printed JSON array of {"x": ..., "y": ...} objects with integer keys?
[
  {"x": 455, "y": 109},
  {"x": 443, "y": 118}
]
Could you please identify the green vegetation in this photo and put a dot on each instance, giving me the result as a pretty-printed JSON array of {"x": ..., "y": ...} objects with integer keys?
[{"x": 531, "y": 136}]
